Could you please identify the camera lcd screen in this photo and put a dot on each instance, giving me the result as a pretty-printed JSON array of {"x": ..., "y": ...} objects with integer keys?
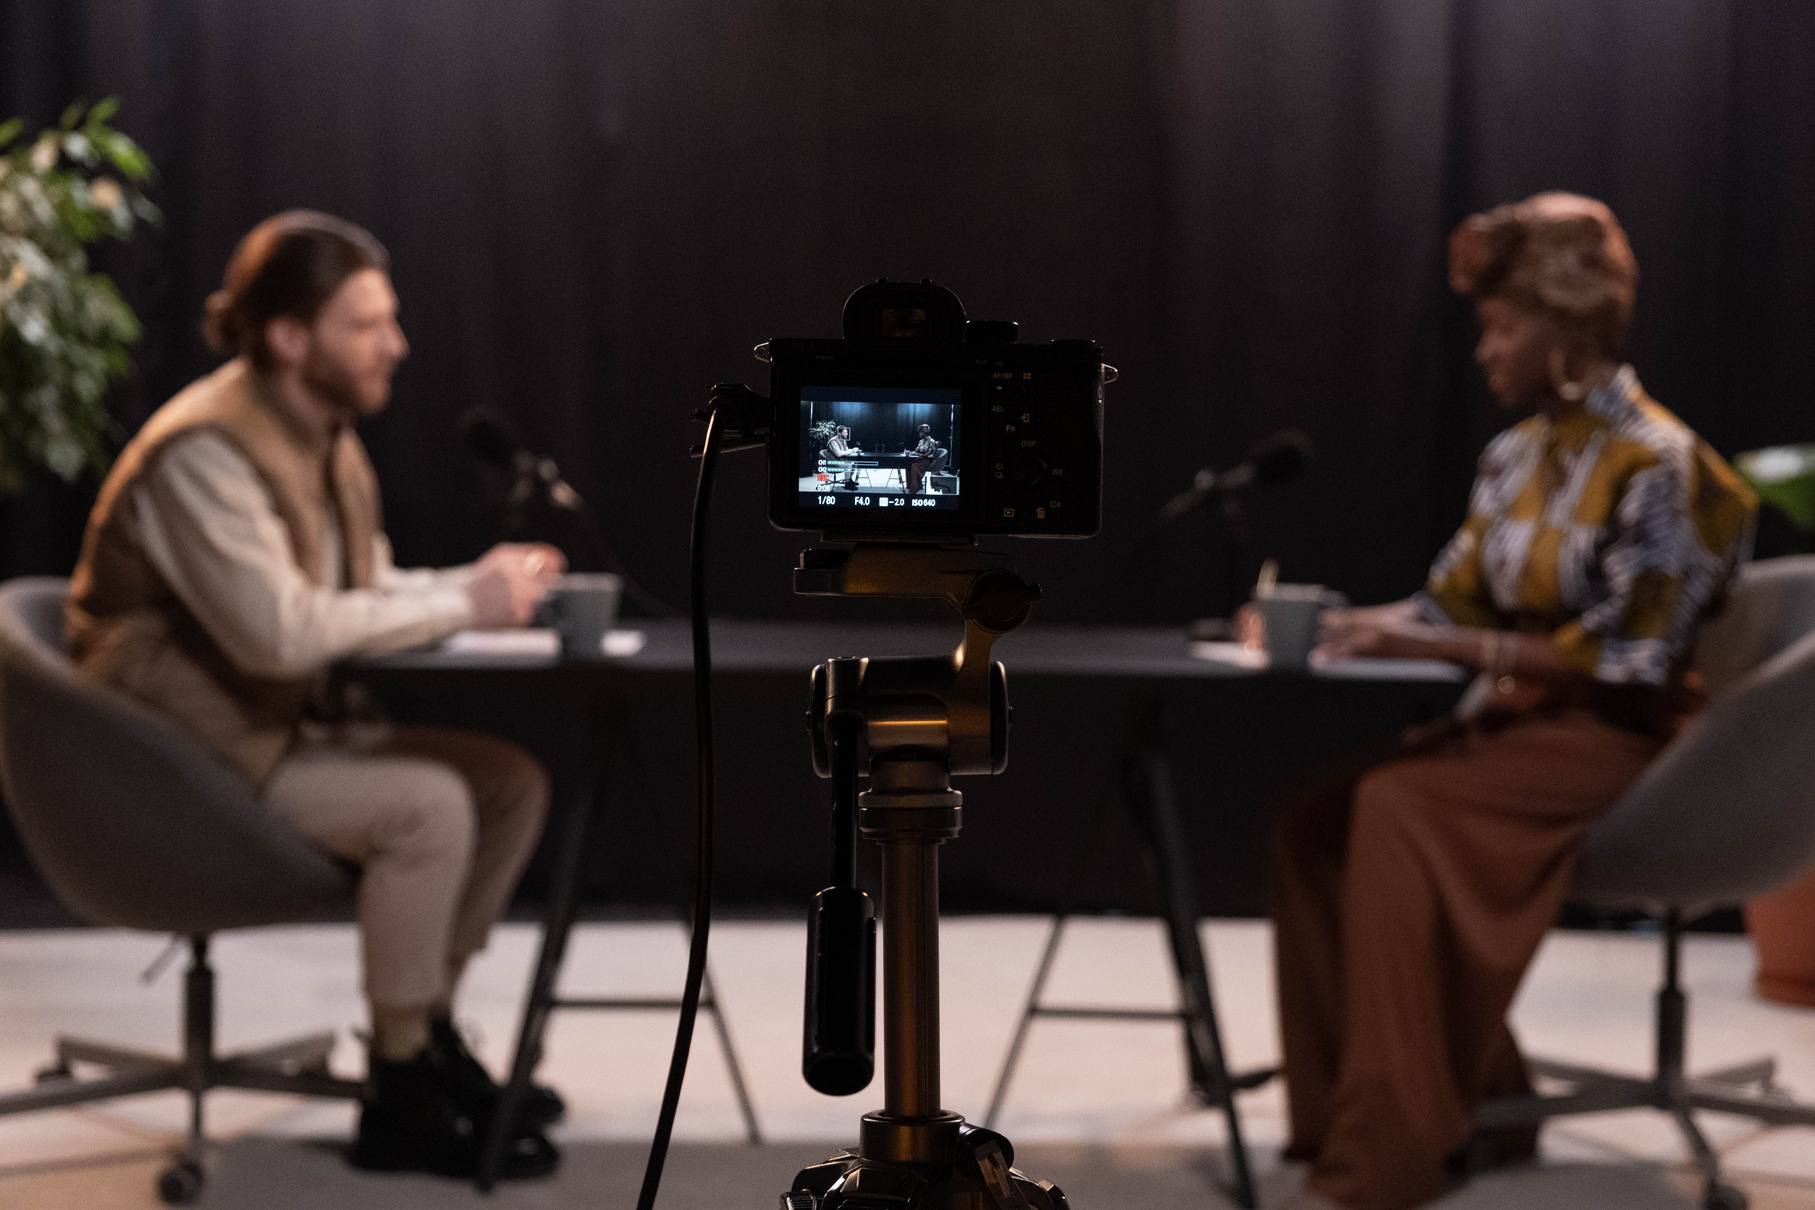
[{"x": 879, "y": 447}]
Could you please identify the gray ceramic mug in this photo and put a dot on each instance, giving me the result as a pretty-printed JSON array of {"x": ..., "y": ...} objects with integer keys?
[
  {"x": 1290, "y": 614},
  {"x": 583, "y": 608}
]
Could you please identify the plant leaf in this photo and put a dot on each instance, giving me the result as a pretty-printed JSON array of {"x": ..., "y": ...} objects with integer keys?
[
  {"x": 125, "y": 154},
  {"x": 65, "y": 334}
]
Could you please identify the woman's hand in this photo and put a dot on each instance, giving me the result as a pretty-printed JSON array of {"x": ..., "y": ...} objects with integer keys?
[
  {"x": 1380, "y": 633},
  {"x": 1376, "y": 632},
  {"x": 1397, "y": 632}
]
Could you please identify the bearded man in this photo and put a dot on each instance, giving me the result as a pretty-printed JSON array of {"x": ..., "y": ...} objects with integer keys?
[{"x": 236, "y": 552}]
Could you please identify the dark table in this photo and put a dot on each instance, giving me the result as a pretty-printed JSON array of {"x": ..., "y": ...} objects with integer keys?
[{"x": 1083, "y": 697}]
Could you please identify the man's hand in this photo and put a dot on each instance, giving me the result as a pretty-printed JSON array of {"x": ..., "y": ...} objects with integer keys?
[
  {"x": 536, "y": 558},
  {"x": 509, "y": 581}
]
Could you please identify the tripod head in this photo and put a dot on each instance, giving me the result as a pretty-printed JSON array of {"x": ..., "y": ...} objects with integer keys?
[{"x": 950, "y": 709}]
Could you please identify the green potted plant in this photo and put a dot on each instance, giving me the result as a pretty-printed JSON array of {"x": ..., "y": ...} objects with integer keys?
[
  {"x": 1782, "y": 924},
  {"x": 64, "y": 330}
]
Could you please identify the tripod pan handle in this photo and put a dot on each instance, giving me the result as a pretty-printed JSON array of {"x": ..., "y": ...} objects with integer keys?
[{"x": 838, "y": 1048}]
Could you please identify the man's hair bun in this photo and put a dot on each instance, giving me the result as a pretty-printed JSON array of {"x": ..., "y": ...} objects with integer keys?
[{"x": 290, "y": 264}]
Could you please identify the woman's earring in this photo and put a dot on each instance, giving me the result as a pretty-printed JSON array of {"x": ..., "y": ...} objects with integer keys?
[{"x": 1568, "y": 390}]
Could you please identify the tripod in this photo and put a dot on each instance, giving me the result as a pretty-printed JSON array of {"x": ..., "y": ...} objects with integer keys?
[{"x": 916, "y": 722}]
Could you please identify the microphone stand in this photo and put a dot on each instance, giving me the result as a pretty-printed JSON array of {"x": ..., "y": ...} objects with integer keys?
[
  {"x": 1230, "y": 575},
  {"x": 540, "y": 479},
  {"x": 1238, "y": 535},
  {"x": 1273, "y": 459}
]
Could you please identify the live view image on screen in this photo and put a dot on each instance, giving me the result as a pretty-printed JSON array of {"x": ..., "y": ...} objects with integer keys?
[{"x": 879, "y": 447}]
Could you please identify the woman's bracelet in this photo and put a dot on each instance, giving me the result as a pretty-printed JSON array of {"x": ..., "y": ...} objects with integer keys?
[{"x": 1499, "y": 655}]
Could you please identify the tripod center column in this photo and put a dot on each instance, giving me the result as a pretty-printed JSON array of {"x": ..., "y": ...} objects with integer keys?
[
  {"x": 910, "y": 810},
  {"x": 910, "y": 978}
]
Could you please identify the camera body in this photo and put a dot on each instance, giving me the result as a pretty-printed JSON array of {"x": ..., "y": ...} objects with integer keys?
[{"x": 922, "y": 426}]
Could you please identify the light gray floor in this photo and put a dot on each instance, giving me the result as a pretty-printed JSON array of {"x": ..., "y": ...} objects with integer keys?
[{"x": 1098, "y": 1108}]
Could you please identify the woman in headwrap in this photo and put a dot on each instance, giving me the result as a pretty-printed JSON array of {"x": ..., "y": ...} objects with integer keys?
[{"x": 1408, "y": 900}]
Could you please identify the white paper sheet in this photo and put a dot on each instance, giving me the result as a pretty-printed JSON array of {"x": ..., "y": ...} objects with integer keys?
[
  {"x": 1229, "y": 653},
  {"x": 617, "y": 644},
  {"x": 1368, "y": 670}
]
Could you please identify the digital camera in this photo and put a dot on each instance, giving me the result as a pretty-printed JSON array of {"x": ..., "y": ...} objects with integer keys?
[{"x": 922, "y": 426}]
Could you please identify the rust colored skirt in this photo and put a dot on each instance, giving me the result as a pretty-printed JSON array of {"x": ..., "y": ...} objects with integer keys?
[{"x": 1407, "y": 901}]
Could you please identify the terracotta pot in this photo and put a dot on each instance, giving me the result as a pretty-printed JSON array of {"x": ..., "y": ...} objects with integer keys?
[{"x": 1782, "y": 925}]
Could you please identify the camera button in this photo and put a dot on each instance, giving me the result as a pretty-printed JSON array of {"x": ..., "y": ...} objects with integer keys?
[{"x": 1029, "y": 470}]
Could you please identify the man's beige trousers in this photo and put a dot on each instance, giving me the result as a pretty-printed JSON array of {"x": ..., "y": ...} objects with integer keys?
[{"x": 441, "y": 822}]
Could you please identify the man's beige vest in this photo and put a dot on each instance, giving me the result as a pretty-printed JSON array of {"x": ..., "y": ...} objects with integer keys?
[{"x": 126, "y": 627}]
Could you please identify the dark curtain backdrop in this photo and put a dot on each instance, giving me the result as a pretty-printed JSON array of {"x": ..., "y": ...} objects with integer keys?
[
  {"x": 596, "y": 209},
  {"x": 876, "y": 427}
]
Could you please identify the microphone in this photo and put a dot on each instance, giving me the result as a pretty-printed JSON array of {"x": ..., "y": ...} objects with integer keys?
[
  {"x": 1273, "y": 459},
  {"x": 490, "y": 437}
]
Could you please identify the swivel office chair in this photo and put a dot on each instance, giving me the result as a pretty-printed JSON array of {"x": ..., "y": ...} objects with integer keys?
[
  {"x": 133, "y": 823},
  {"x": 1726, "y": 812}
]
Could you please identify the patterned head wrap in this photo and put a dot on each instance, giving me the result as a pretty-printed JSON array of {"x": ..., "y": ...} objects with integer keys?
[{"x": 1559, "y": 252}]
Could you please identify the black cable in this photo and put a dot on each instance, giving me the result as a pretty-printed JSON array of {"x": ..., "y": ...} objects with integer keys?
[{"x": 702, "y": 899}]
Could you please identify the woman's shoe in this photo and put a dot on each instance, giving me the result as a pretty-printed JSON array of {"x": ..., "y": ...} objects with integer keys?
[{"x": 1491, "y": 1150}]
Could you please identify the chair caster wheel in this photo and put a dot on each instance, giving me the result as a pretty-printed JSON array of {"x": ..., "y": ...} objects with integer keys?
[
  {"x": 1724, "y": 1197},
  {"x": 53, "y": 1073},
  {"x": 181, "y": 1183}
]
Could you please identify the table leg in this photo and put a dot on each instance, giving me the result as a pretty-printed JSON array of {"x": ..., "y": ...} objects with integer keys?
[
  {"x": 1029, "y": 1010},
  {"x": 752, "y": 1132},
  {"x": 1153, "y": 798},
  {"x": 571, "y": 861}
]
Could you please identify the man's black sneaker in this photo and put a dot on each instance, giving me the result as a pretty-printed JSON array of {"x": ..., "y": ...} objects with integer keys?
[
  {"x": 473, "y": 1084},
  {"x": 413, "y": 1122}
]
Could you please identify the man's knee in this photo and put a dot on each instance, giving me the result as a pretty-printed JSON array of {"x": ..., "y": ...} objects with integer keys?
[{"x": 431, "y": 817}]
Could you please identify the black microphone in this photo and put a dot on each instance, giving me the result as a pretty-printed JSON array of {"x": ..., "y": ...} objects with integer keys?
[
  {"x": 1273, "y": 459},
  {"x": 490, "y": 437}
]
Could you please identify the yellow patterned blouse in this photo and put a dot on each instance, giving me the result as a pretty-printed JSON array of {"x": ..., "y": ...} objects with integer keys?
[{"x": 1615, "y": 529}]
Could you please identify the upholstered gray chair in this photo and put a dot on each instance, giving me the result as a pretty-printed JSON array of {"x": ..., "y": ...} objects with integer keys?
[
  {"x": 133, "y": 823},
  {"x": 1727, "y": 812}
]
